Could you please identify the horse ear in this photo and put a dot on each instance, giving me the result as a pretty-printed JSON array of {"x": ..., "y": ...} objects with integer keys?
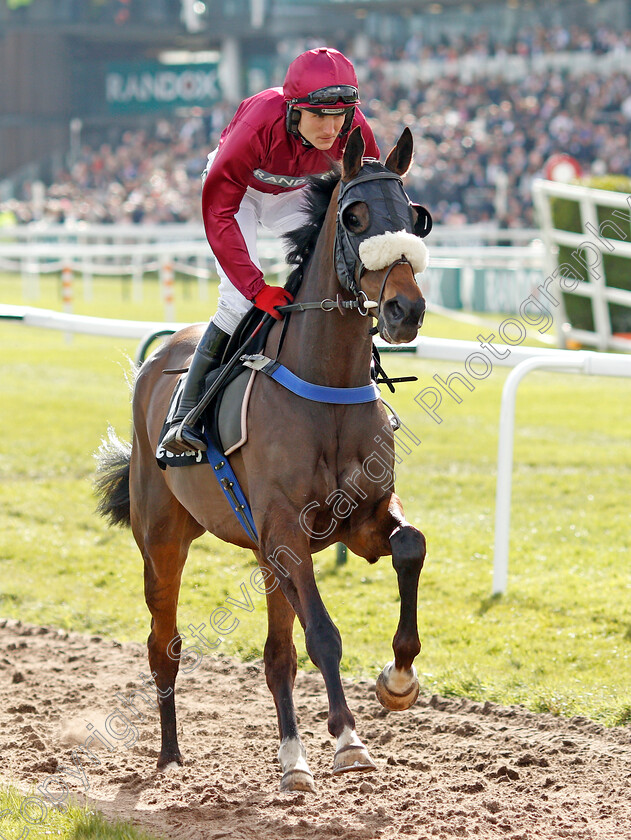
[
  {"x": 353, "y": 153},
  {"x": 400, "y": 157}
]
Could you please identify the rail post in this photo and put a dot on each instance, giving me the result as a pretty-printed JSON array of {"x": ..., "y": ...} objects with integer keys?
[
  {"x": 341, "y": 554},
  {"x": 137, "y": 277},
  {"x": 67, "y": 283},
  {"x": 203, "y": 276},
  {"x": 166, "y": 278}
]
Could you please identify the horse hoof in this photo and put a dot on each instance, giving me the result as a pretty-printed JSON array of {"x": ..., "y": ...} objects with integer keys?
[
  {"x": 396, "y": 690},
  {"x": 170, "y": 767},
  {"x": 298, "y": 780},
  {"x": 352, "y": 757},
  {"x": 170, "y": 763}
]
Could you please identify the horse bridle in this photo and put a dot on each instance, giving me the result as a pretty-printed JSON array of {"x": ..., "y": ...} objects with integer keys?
[
  {"x": 361, "y": 303},
  {"x": 401, "y": 261},
  {"x": 398, "y": 215}
]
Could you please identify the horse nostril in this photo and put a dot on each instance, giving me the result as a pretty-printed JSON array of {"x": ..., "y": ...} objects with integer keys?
[
  {"x": 395, "y": 311},
  {"x": 400, "y": 310}
]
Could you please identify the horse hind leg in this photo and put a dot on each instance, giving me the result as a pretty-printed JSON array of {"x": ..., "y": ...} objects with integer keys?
[
  {"x": 164, "y": 545},
  {"x": 164, "y": 644},
  {"x": 280, "y": 672}
]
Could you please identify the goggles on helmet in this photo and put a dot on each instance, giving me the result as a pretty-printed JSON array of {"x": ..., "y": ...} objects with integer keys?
[{"x": 348, "y": 94}]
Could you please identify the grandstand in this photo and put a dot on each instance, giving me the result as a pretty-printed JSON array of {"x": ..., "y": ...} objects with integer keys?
[{"x": 113, "y": 104}]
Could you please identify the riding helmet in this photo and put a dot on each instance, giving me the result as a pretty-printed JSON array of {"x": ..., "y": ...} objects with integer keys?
[{"x": 321, "y": 80}]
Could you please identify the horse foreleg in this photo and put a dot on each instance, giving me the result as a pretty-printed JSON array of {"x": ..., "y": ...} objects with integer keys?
[
  {"x": 324, "y": 646},
  {"x": 287, "y": 551},
  {"x": 397, "y": 685},
  {"x": 280, "y": 673},
  {"x": 389, "y": 532}
]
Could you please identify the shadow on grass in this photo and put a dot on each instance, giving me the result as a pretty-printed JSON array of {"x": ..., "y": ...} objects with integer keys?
[{"x": 488, "y": 603}]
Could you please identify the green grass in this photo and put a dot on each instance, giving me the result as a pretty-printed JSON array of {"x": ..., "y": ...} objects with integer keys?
[
  {"x": 559, "y": 640},
  {"x": 22, "y": 816}
]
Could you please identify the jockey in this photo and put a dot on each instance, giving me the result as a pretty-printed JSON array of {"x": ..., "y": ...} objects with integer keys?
[{"x": 255, "y": 178}]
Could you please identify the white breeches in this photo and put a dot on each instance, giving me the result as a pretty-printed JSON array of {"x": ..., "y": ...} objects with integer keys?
[{"x": 276, "y": 213}]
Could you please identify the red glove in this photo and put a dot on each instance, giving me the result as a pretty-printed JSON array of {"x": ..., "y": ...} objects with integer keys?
[{"x": 270, "y": 297}]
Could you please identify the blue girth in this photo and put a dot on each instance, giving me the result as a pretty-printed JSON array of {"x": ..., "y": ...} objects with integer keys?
[
  {"x": 231, "y": 487},
  {"x": 318, "y": 393}
]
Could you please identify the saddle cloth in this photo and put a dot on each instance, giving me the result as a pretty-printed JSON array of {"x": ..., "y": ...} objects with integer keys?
[{"x": 226, "y": 418}]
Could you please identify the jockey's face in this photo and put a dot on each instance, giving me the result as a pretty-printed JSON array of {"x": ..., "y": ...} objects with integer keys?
[{"x": 321, "y": 130}]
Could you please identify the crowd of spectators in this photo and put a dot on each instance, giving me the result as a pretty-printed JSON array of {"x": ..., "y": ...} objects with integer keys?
[
  {"x": 478, "y": 143},
  {"x": 149, "y": 176},
  {"x": 528, "y": 42}
]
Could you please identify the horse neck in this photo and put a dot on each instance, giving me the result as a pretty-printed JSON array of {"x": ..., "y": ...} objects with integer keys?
[{"x": 327, "y": 348}]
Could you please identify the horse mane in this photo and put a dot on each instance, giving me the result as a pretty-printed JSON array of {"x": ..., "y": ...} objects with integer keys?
[{"x": 302, "y": 241}]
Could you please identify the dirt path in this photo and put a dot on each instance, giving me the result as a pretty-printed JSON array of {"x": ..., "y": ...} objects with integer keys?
[{"x": 448, "y": 768}]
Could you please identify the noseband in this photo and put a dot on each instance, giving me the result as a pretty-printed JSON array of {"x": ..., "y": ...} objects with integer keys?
[{"x": 401, "y": 261}]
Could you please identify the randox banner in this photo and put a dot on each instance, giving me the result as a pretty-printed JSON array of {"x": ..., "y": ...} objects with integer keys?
[{"x": 150, "y": 86}]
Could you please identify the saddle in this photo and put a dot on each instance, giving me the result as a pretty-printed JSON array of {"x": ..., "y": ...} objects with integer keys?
[{"x": 224, "y": 420}]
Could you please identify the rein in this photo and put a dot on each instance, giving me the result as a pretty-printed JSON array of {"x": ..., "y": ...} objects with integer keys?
[{"x": 330, "y": 305}]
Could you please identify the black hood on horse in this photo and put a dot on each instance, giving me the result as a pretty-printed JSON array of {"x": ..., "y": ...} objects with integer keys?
[{"x": 382, "y": 191}]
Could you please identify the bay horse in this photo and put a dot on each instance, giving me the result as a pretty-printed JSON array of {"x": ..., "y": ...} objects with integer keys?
[{"x": 303, "y": 468}]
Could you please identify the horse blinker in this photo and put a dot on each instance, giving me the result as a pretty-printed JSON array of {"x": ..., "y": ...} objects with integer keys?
[{"x": 381, "y": 190}]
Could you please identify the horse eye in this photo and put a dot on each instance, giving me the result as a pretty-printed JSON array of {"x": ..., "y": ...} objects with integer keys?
[{"x": 353, "y": 220}]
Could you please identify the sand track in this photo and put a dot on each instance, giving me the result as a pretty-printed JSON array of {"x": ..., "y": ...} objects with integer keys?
[{"x": 448, "y": 768}]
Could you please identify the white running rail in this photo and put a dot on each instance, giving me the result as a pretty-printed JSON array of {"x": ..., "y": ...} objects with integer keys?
[{"x": 522, "y": 359}]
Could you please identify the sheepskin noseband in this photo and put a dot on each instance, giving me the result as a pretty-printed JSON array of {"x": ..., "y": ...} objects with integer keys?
[
  {"x": 382, "y": 250},
  {"x": 394, "y": 228}
]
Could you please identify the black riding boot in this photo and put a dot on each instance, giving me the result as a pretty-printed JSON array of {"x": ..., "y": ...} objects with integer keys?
[{"x": 182, "y": 438}]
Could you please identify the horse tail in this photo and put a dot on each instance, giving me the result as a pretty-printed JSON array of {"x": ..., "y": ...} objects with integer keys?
[{"x": 111, "y": 483}]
